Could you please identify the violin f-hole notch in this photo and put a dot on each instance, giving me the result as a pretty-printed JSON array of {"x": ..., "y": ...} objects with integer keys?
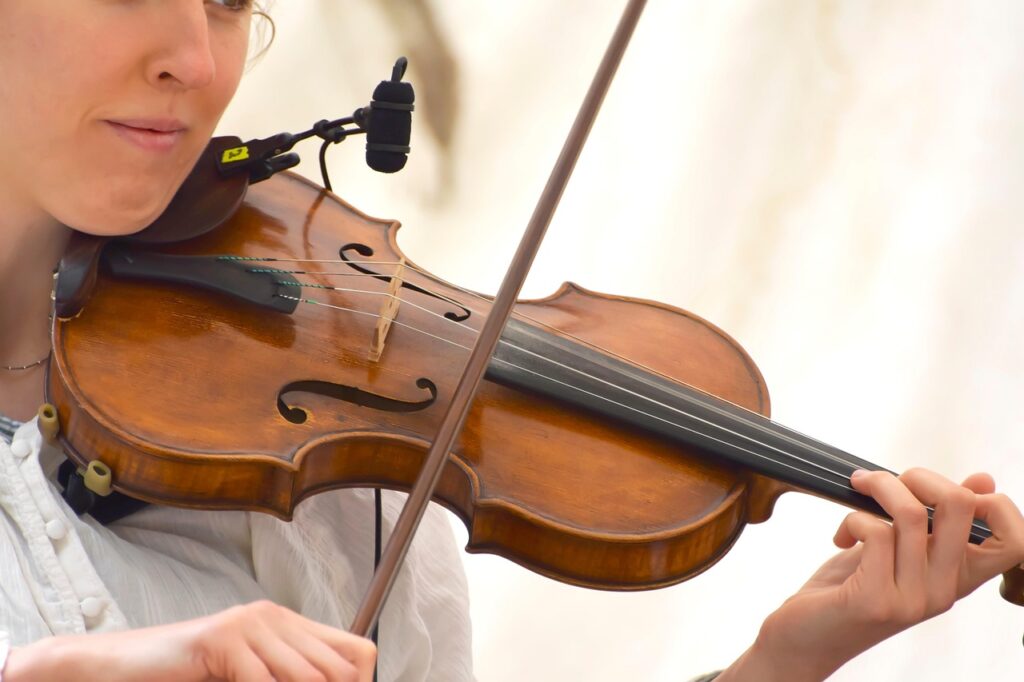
[
  {"x": 461, "y": 314},
  {"x": 353, "y": 395}
]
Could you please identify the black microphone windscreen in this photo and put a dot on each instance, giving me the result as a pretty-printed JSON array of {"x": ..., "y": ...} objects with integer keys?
[{"x": 387, "y": 139}]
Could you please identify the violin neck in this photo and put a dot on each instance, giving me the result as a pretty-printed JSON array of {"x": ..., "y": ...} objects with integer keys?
[{"x": 532, "y": 359}]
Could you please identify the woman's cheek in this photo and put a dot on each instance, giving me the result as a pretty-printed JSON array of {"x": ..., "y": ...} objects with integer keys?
[{"x": 111, "y": 198}]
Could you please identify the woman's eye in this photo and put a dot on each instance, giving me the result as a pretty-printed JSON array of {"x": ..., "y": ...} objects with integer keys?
[{"x": 234, "y": 5}]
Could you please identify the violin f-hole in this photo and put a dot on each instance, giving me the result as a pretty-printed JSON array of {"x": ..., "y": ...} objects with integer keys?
[
  {"x": 353, "y": 395},
  {"x": 365, "y": 251}
]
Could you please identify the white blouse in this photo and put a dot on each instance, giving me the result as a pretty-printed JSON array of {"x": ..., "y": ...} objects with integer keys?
[{"x": 63, "y": 574}]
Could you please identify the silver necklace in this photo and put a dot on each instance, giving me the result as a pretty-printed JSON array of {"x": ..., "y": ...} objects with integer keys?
[
  {"x": 18, "y": 368},
  {"x": 15, "y": 368}
]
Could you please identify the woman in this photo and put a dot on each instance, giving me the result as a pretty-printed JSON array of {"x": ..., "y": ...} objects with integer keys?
[{"x": 107, "y": 105}]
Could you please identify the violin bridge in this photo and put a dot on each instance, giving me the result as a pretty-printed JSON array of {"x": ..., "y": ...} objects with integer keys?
[{"x": 388, "y": 311}]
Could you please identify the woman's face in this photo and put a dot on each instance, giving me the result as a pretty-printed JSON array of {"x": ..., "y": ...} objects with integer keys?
[{"x": 105, "y": 105}]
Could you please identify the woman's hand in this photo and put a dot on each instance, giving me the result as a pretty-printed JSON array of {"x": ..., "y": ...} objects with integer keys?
[
  {"x": 258, "y": 642},
  {"x": 890, "y": 576}
]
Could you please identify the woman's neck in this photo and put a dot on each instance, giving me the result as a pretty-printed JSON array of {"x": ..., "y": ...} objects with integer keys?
[{"x": 31, "y": 245}]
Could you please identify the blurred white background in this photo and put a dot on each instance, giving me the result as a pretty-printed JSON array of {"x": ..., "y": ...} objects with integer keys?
[{"x": 835, "y": 184}]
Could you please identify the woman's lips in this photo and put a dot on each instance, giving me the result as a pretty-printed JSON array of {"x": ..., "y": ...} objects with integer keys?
[{"x": 156, "y": 135}]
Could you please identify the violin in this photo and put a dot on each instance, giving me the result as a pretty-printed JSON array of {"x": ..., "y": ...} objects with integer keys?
[
  {"x": 284, "y": 345},
  {"x": 596, "y": 453}
]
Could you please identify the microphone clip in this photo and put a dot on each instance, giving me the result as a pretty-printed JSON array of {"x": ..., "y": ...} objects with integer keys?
[{"x": 263, "y": 158}]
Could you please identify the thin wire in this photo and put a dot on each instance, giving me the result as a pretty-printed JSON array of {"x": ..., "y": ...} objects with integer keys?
[
  {"x": 380, "y": 293},
  {"x": 599, "y": 396},
  {"x": 334, "y": 261},
  {"x": 693, "y": 400},
  {"x": 627, "y": 406},
  {"x": 981, "y": 529},
  {"x": 278, "y": 271},
  {"x": 689, "y": 399},
  {"x": 18, "y": 368},
  {"x": 369, "y": 314},
  {"x": 415, "y": 268},
  {"x": 405, "y": 264},
  {"x": 346, "y": 274},
  {"x": 378, "y": 513},
  {"x": 481, "y": 297},
  {"x": 692, "y": 430}
]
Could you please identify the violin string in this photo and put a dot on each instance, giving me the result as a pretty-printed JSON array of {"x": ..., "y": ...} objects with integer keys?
[
  {"x": 975, "y": 526},
  {"x": 575, "y": 370},
  {"x": 276, "y": 271},
  {"x": 395, "y": 322},
  {"x": 707, "y": 422},
  {"x": 705, "y": 434},
  {"x": 385, "y": 294},
  {"x": 842, "y": 486},
  {"x": 413, "y": 267},
  {"x": 755, "y": 425},
  {"x": 632, "y": 408},
  {"x": 748, "y": 423},
  {"x": 469, "y": 292},
  {"x": 339, "y": 261}
]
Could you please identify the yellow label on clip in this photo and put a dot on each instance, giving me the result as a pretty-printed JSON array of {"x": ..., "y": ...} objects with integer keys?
[{"x": 235, "y": 154}]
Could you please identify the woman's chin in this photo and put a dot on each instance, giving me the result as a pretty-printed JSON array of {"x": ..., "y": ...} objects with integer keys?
[{"x": 115, "y": 216}]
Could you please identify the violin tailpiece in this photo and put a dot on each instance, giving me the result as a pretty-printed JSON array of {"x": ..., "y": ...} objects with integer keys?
[{"x": 234, "y": 278}]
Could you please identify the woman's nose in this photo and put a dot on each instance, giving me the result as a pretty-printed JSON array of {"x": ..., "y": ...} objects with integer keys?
[{"x": 185, "y": 56}]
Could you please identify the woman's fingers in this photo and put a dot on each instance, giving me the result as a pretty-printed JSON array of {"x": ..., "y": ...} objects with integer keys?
[
  {"x": 289, "y": 646},
  {"x": 869, "y": 591},
  {"x": 878, "y": 542},
  {"x": 285, "y": 662},
  {"x": 1005, "y": 549},
  {"x": 950, "y": 567},
  {"x": 338, "y": 655},
  {"x": 245, "y": 664},
  {"x": 1001, "y": 515},
  {"x": 956, "y": 508},
  {"x": 910, "y": 526},
  {"x": 361, "y": 652},
  {"x": 257, "y": 642},
  {"x": 951, "y": 527},
  {"x": 980, "y": 483}
]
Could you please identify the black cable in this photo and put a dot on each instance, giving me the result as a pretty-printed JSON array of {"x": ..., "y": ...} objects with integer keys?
[
  {"x": 378, "y": 513},
  {"x": 327, "y": 186}
]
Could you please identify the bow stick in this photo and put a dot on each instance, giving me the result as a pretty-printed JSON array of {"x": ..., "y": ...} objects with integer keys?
[{"x": 451, "y": 425}]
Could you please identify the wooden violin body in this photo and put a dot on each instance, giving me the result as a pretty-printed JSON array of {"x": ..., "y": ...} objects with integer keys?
[{"x": 206, "y": 401}]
